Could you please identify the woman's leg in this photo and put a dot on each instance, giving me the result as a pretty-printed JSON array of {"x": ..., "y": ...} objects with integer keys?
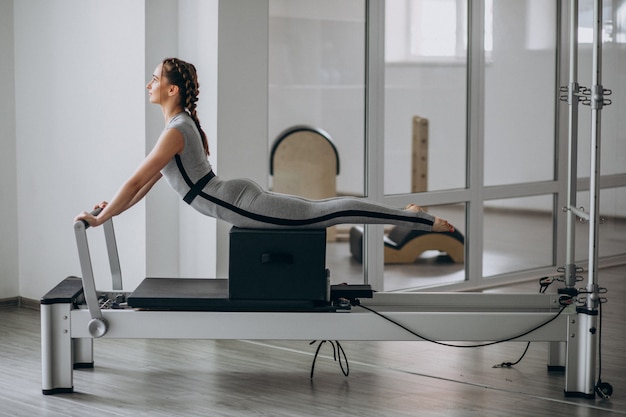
[{"x": 244, "y": 204}]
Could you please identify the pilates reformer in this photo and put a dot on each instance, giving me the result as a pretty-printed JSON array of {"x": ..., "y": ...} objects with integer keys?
[{"x": 74, "y": 313}]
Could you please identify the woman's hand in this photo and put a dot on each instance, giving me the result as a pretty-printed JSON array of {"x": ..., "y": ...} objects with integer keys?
[{"x": 90, "y": 218}]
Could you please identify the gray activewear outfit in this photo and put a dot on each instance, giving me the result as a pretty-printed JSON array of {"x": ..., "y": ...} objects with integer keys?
[{"x": 243, "y": 203}]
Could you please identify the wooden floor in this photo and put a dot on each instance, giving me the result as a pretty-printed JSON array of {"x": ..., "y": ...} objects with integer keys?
[{"x": 244, "y": 378}]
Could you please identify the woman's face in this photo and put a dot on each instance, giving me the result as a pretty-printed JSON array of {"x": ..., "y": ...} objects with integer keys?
[{"x": 155, "y": 85}]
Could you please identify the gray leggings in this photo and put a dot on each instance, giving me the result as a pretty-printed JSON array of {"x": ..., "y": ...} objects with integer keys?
[{"x": 243, "y": 203}]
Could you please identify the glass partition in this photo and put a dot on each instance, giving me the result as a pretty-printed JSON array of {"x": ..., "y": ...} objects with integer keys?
[
  {"x": 518, "y": 234},
  {"x": 612, "y": 228},
  {"x": 520, "y": 93},
  {"x": 425, "y": 95},
  {"x": 514, "y": 125},
  {"x": 612, "y": 222}
]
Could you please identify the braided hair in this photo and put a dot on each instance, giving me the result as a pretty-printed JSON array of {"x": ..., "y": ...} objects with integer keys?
[{"x": 183, "y": 75}]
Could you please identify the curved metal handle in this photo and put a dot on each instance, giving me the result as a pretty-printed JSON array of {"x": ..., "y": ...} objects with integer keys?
[
  {"x": 84, "y": 257},
  {"x": 97, "y": 325}
]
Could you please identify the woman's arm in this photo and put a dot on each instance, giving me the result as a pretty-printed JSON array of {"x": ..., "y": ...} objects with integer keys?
[
  {"x": 144, "y": 190},
  {"x": 147, "y": 174}
]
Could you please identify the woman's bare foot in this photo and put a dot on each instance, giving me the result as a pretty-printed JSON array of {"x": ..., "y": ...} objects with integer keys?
[
  {"x": 440, "y": 225},
  {"x": 413, "y": 207}
]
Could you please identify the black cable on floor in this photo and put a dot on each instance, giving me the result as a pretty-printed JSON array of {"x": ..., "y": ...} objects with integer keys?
[
  {"x": 338, "y": 352},
  {"x": 511, "y": 364},
  {"x": 544, "y": 283}
]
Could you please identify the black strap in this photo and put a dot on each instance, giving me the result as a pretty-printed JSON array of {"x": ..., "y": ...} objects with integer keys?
[{"x": 194, "y": 189}]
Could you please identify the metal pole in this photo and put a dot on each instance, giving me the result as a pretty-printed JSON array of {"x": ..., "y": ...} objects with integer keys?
[
  {"x": 373, "y": 263},
  {"x": 584, "y": 333},
  {"x": 573, "y": 95},
  {"x": 597, "y": 100}
]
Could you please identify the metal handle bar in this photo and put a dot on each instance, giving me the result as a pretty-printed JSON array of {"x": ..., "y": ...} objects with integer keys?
[
  {"x": 97, "y": 325},
  {"x": 94, "y": 212}
]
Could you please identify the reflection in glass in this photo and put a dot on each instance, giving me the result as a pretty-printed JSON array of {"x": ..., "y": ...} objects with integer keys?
[
  {"x": 419, "y": 260},
  {"x": 613, "y": 140},
  {"x": 612, "y": 228},
  {"x": 316, "y": 77},
  {"x": 520, "y": 93},
  {"x": 425, "y": 77},
  {"x": 613, "y": 21},
  {"x": 518, "y": 234}
]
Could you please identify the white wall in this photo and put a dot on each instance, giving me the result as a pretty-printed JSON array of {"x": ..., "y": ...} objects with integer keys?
[
  {"x": 80, "y": 124},
  {"x": 83, "y": 124},
  {"x": 9, "y": 282},
  {"x": 79, "y": 129}
]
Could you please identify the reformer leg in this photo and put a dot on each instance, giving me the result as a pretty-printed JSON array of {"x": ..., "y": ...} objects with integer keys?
[
  {"x": 557, "y": 355},
  {"x": 581, "y": 354},
  {"x": 82, "y": 353},
  {"x": 59, "y": 352},
  {"x": 56, "y": 349}
]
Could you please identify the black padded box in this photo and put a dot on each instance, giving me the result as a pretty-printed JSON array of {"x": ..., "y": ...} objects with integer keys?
[{"x": 278, "y": 264}]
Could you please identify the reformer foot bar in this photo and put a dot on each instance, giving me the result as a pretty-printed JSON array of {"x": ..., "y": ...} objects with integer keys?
[{"x": 73, "y": 314}]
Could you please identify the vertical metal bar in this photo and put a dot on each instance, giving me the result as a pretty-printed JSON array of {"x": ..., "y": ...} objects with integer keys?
[
  {"x": 82, "y": 353},
  {"x": 594, "y": 184},
  {"x": 557, "y": 351},
  {"x": 114, "y": 259},
  {"x": 373, "y": 262},
  {"x": 557, "y": 356},
  {"x": 89, "y": 284},
  {"x": 573, "y": 91},
  {"x": 475, "y": 142}
]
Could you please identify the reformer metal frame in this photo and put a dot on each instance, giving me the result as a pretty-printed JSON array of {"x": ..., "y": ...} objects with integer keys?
[{"x": 69, "y": 324}]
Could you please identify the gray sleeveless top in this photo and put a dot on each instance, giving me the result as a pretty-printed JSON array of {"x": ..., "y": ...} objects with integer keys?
[{"x": 193, "y": 158}]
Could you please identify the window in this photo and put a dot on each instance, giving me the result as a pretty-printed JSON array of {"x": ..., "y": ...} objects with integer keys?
[
  {"x": 424, "y": 30},
  {"x": 613, "y": 24}
]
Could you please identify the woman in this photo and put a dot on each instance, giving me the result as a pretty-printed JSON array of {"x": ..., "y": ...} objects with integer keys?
[{"x": 180, "y": 155}]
